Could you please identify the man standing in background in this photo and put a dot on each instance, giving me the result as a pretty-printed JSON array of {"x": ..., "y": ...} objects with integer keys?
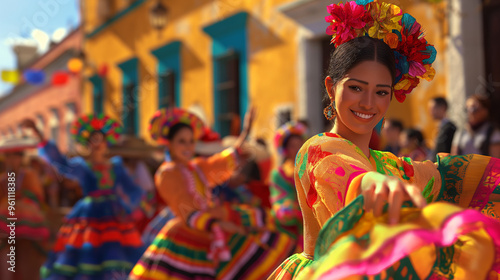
[{"x": 438, "y": 108}]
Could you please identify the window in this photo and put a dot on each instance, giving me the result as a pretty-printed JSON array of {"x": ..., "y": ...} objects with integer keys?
[
  {"x": 40, "y": 123},
  {"x": 69, "y": 118},
  {"x": 169, "y": 74},
  {"x": 229, "y": 50},
  {"x": 130, "y": 106},
  {"x": 54, "y": 125},
  {"x": 130, "y": 109},
  {"x": 284, "y": 115},
  {"x": 98, "y": 101},
  {"x": 20, "y": 133},
  {"x": 167, "y": 90},
  {"x": 98, "y": 94},
  {"x": 228, "y": 94}
]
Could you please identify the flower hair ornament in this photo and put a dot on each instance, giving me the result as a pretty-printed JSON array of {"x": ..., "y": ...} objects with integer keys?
[
  {"x": 164, "y": 119},
  {"x": 83, "y": 127},
  {"x": 287, "y": 130},
  {"x": 414, "y": 55}
]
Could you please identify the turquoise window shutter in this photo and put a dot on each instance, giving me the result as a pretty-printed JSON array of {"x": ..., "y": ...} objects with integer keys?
[
  {"x": 230, "y": 70},
  {"x": 130, "y": 104}
]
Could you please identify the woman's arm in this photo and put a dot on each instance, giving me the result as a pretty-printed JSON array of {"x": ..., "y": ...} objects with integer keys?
[
  {"x": 48, "y": 150},
  {"x": 131, "y": 189},
  {"x": 219, "y": 168},
  {"x": 173, "y": 190}
]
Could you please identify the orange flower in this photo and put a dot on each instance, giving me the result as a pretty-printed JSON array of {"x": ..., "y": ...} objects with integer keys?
[
  {"x": 392, "y": 40},
  {"x": 429, "y": 73}
]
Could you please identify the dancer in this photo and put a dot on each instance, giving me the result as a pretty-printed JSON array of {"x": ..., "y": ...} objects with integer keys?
[
  {"x": 98, "y": 240},
  {"x": 23, "y": 227},
  {"x": 288, "y": 140},
  {"x": 343, "y": 186},
  {"x": 205, "y": 240}
]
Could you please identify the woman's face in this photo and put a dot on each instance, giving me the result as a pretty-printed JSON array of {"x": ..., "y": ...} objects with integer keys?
[
  {"x": 476, "y": 113},
  {"x": 98, "y": 144},
  {"x": 293, "y": 146},
  {"x": 182, "y": 145},
  {"x": 362, "y": 98}
]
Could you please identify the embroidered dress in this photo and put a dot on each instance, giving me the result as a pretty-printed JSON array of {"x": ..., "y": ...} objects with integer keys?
[
  {"x": 285, "y": 206},
  {"x": 98, "y": 240},
  {"x": 192, "y": 246},
  {"x": 30, "y": 223},
  {"x": 448, "y": 239}
]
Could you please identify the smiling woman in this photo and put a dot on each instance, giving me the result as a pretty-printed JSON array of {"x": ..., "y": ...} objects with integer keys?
[{"x": 365, "y": 211}]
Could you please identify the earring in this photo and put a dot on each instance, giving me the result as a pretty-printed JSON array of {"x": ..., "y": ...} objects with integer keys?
[
  {"x": 383, "y": 123},
  {"x": 330, "y": 112}
]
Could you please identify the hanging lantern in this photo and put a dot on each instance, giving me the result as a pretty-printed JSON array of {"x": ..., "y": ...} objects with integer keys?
[
  {"x": 75, "y": 65},
  {"x": 158, "y": 16},
  {"x": 34, "y": 77},
  {"x": 59, "y": 78}
]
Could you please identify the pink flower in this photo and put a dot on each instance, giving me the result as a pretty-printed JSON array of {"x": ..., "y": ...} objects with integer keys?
[{"x": 346, "y": 21}]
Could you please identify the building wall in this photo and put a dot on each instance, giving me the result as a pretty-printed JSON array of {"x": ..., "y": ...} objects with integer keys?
[
  {"x": 273, "y": 56},
  {"x": 27, "y": 101}
]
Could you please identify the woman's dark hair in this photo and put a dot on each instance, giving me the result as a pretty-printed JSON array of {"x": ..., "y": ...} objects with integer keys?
[
  {"x": 415, "y": 134},
  {"x": 176, "y": 128},
  {"x": 360, "y": 49},
  {"x": 395, "y": 124},
  {"x": 441, "y": 102}
]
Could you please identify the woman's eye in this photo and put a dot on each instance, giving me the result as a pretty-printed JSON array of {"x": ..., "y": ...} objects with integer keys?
[
  {"x": 382, "y": 93},
  {"x": 355, "y": 88}
]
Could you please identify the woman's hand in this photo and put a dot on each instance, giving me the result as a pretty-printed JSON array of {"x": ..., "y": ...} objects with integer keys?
[
  {"x": 230, "y": 227},
  {"x": 247, "y": 127},
  {"x": 378, "y": 189}
]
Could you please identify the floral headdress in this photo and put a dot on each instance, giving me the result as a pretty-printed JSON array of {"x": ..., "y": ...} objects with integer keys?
[
  {"x": 87, "y": 124},
  {"x": 287, "y": 130},
  {"x": 384, "y": 21},
  {"x": 164, "y": 119}
]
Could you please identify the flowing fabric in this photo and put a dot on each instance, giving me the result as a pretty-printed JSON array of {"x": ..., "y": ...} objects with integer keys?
[
  {"x": 449, "y": 239},
  {"x": 98, "y": 239}
]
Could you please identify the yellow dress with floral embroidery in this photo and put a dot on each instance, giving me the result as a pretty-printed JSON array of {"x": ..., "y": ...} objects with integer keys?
[{"x": 448, "y": 239}]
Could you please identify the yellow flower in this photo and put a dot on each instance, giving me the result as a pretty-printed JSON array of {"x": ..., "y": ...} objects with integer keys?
[
  {"x": 404, "y": 84},
  {"x": 429, "y": 73},
  {"x": 386, "y": 17}
]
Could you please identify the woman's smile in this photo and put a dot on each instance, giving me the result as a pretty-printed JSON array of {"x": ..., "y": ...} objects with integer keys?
[{"x": 365, "y": 117}]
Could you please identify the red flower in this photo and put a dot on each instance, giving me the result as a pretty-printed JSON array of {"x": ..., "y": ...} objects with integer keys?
[
  {"x": 346, "y": 21},
  {"x": 405, "y": 86},
  {"x": 96, "y": 123}
]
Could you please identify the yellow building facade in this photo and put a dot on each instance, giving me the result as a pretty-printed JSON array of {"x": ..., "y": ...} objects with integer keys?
[{"x": 217, "y": 57}]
